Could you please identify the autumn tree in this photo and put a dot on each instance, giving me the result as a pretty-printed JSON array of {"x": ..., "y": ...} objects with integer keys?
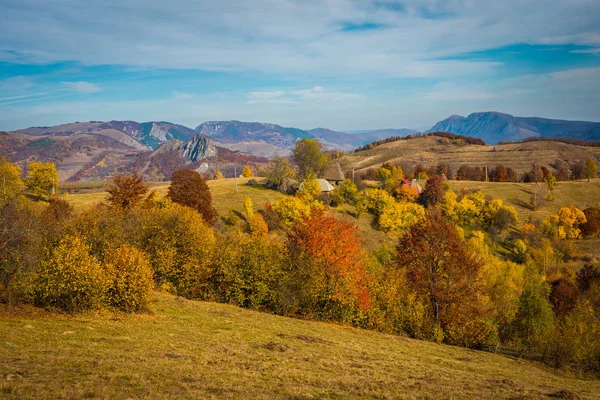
[
  {"x": 309, "y": 157},
  {"x": 218, "y": 174},
  {"x": 189, "y": 188},
  {"x": 325, "y": 271},
  {"x": 42, "y": 178},
  {"x": 443, "y": 273},
  {"x": 11, "y": 183},
  {"x": 278, "y": 171},
  {"x": 247, "y": 172},
  {"x": 127, "y": 191},
  {"x": 434, "y": 191},
  {"x": 592, "y": 225},
  {"x": 591, "y": 168}
]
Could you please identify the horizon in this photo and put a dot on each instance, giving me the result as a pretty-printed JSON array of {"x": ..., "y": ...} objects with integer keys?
[{"x": 343, "y": 65}]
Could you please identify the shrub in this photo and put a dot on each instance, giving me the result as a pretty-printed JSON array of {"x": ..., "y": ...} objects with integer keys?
[
  {"x": 130, "y": 277},
  {"x": 70, "y": 279}
]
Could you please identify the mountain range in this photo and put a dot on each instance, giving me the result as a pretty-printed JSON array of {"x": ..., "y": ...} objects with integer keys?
[
  {"x": 96, "y": 149},
  {"x": 494, "y": 127}
]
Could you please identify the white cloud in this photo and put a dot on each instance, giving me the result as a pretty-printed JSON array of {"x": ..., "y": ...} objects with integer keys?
[
  {"x": 288, "y": 36},
  {"x": 316, "y": 93},
  {"x": 82, "y": 87}
]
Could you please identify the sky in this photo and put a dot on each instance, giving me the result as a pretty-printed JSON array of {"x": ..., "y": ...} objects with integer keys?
[{"x": 339, "y": 64}]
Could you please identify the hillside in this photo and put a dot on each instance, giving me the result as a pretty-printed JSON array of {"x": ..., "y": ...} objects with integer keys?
[
  {"x": 187, "y": 349},
  {"x": 494, "y": 127},
  {"x": 430, "y": 151}
]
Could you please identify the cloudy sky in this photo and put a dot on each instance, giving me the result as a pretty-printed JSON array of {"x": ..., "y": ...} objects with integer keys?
[{"x": 341, "y": 64}]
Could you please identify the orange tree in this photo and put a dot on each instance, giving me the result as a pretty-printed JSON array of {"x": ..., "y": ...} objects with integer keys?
[
  {"x": 325, "y": 272},
  {"x": 126, "y": 191},
  {"x": 189, "y": 188},
  {"x": 444, "y": 275}
]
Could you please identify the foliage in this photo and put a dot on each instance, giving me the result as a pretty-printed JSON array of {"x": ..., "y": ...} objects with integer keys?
[
  {"x": 245, "y": 270},
  {"x": 70, "y": 278},
  {"x": 179, "y": 245},
  {"x": 247, "y": 172},
  {"x": 565, "y": 224},
  {"x": 434, "y": 191},
  {"x": 257, "y": 225},
  {"x": 534, "y": 319},
  {"x": 325, "y": 272},
  {"x": 591, "y": 168},
  {"x": 11, "y": 183},
  {"x": 278, "y": 171},
  {"x": 310, "y": 188},
  {"x": 397, "y": 217},
  {"x": 126, "y": 191},
  {"x": 248, "y": 207},
  {"x": 445, "y": 276},
  {"x": 290, "y": 210},
  {"x": 42, "y": 178},
  {"x": 309, "y": 157},
  {"x": 130, "y": 278},
  {"x": 591, "y": 227},
  {"x": 218, "y": 174},
  {"x": 406, "y": 193},
  {"x": 189, "y": 188}
]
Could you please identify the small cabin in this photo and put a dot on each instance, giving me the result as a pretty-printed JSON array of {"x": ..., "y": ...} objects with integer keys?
[{"x": 332, "y": 172}]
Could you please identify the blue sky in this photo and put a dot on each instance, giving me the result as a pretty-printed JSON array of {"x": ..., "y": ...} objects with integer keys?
[{"x": 340, "y": 64}]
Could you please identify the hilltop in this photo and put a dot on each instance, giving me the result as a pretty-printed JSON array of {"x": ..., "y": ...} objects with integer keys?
[
  {"x": 189, "y": 349},
  {"x": 432, "y": 150}
]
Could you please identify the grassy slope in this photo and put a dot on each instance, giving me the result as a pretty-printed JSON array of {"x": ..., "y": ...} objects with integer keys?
[
  {"x": 192, "y": 349},
  {"x": 430, "y": 151}
]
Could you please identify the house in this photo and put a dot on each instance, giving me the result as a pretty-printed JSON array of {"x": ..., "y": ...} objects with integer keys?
[
  {"x": 413, "y": 185},
  {"x": 332, "y": 172}
]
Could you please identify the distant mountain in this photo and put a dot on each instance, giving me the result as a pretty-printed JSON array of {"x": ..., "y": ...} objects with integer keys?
[
  {"x": 354, "y": 139},
  {"x": 494, "y": 127},
  {"x": 145, "y": 135},
  {"x": 237, "y": 131},
  {"x": 269, "y": 139}
]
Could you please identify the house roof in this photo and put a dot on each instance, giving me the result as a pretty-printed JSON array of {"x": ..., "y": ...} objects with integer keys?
[{"x": 333, "y": 172}]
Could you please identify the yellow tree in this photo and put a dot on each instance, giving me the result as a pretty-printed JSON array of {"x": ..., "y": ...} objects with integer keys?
[
  {"x": 591, "y": 168},
  {"x": 11, "y": 183},
  {"x": 247, "y": 172},
  {"x": 218, "y": 174},
  {"x": 308, "y": 155},
  {"x": 42, "y": 178}
]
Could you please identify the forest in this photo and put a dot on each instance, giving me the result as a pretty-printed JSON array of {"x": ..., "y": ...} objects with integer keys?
[{"x": 463, "y": 270}]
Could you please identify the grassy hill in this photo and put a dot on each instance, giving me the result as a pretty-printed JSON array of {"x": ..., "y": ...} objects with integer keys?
[
  {"x": 431, "y": 150},
  {"x": 187, "y": 349}
]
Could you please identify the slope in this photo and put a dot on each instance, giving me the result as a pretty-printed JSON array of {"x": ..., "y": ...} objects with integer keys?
[
  {"x": 430, "y": 151},
  {"x": 187, "y": 349}
]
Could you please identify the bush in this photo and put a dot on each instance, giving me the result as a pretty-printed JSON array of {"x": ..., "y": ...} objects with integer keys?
[
  {"x": 70, "y": 279},
  {"x": 131, "y": 282}
]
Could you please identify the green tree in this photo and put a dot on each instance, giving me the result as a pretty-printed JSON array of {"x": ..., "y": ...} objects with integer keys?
[
  {"x": 42, "y": 178},
  {"x": 278, "y": 171},
  {"x": 11, "y": 183},
  {"x": 189, "y": 188},
  {"x": 126, "y": 191},
  {"x": 308, "y": 155},
  {"x": 591, "y": 168}
]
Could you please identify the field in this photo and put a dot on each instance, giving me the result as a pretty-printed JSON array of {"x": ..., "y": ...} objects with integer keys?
[
  {"x": 430, "y": 151},
  {"x": 187, "y": 349}
]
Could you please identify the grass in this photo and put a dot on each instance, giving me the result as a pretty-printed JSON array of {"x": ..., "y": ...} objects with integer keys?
[
  {"x": 224, "y": 194},
  {"x": 580, "y": 194},
  {"x": 187, "y": 349}
]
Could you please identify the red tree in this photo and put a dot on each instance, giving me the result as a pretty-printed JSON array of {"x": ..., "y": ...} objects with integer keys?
[{"x": 189, "y": 188}]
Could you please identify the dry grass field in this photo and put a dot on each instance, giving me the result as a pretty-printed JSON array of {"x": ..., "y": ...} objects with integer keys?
[
  {"x": 432, "y": 150},
  {"x": 187, "y": 349}
]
